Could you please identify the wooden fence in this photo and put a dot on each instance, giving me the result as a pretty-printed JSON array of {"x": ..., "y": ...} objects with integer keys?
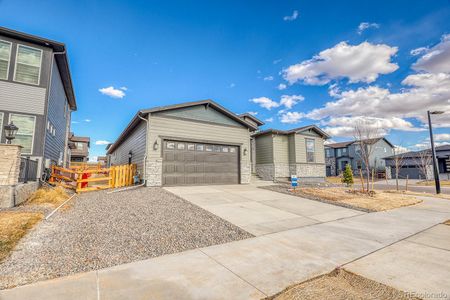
[{"x": 85, "y": 180}]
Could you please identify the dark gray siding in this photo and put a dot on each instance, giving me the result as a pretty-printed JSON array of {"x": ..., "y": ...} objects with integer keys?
[
  {"x": 57, "y": 115},
  {"x": 38, "y": 141},
  {"x": 135, "y": 142}
]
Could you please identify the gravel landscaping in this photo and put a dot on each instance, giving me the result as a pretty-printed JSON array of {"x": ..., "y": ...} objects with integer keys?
[{"x": 102, "y": 230}]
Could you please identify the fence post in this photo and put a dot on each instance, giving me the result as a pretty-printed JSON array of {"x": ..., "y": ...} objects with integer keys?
[{"x": 27, "y": 167}]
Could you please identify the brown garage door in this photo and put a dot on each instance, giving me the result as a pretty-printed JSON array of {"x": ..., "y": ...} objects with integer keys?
[{"x": 186, "y": 163}]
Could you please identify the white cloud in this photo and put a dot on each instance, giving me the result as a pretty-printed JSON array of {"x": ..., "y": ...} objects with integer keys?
[
  {"x": 329, "y": 141},
  {"x": 360, "y": 63},
  {"x": 268, "y": 78},
  {"x": 102, "y": 142},
  {"x": 276, "y": 61},
  {"x": 269, "y": 120},
  {"x": 440, "y": 137},
  {"x": 292, "y": 17},
  {"x": 232, "y": 85},
  {"x": 400, "y": 149},
  {"x": 253, "y": 113},
  {"x": 75, "y": 122},
  {"x": 291, "y": 117},
  {"x": 112, "y": 92},
  {"x": 265, "y": 102},
  {"x": 87, "y": 120},
  {"x": 435, "y": 59},
  {"x": 281, "y": 86},
  {"x": 366, "y": 25},
  {"x": 418, "y": 51},
  {"x": 124, "y": 88},
  {"x": 289, "y": 101}
]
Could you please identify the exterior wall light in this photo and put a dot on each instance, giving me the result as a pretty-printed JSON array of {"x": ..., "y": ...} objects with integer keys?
[
  {"x": 155, "y": 145},
  {"x": 10, "y": 132}
]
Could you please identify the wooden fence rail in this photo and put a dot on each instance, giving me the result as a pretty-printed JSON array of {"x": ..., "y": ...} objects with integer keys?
[{"x": 85, "y": 180}]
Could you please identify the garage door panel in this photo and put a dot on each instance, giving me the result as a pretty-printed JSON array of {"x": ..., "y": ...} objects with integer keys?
[{"x": 186, "y": 163}]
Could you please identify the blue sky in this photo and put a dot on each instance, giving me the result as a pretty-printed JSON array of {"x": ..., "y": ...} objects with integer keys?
[{"x": 239, "y": 52}]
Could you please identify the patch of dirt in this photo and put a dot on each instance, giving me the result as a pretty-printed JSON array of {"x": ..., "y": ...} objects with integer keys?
[
  {"x": 340, "y": 285},
  {"x": 447, "y": 222},
  {"x": 351, "y": 198},
  {"x": 13, "y": 226}
]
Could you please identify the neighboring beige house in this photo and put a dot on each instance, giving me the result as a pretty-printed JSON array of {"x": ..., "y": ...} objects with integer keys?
[
  {"x": 193, "y": 143},
  {"x": 282, "y": 153}
]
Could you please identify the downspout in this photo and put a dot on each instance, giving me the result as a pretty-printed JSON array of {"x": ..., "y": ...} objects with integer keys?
[{"x": 146, "y": 147}]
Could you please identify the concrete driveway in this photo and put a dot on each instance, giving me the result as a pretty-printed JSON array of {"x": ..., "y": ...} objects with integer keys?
[{"x": 260, "y": 211}]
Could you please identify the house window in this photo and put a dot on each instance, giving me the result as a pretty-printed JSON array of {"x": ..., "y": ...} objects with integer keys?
[
  {"x": 200, "y": 147},
  {"x": 310, "y": 150},
  {"x": 170, "y": 145},
  {"x": 28, "y": 65},
  {"x": 191, "y": 147},
  {"x": 5, "y": 55},
  {"x": 209, "y": 148},
  {"x": 79, "y": 145},
  {"x": 25, "y": 135},
  {"x": 180, "y": 146},
  {"x": 232, "y": 149}
]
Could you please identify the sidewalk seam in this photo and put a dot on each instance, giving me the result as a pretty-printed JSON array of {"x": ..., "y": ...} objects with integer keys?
[
  {"x": 384, "y": 247},
  {"x": 422, "y": 244},
  {"x": 232, "y": 272}
]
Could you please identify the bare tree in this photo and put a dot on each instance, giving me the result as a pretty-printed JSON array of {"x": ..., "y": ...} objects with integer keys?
[
  {"x": 424, "y": 160},
  {"x": 365, "y": 132},
  {"x": 399, "y": 162}
]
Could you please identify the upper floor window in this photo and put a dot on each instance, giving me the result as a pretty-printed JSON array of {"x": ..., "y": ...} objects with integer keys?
[
  {"x": 310, "y": 149},
  {"x": 28, "y": 65},
  {"x": 5, "y": 55},
  {"x": 79, "y": 145},
  {"x": 25, "y": 134}
]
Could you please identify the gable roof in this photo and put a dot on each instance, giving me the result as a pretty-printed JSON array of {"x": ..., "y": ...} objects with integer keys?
[
  {"x": 294, "y": 130},
  {"x": 414, "y": 154},
  {"x": 81, "y": 139},
  {"x": 367, "y": 141},
  {"x": 251, "y": 117},
  {"x": 207, "y": 102},
  {"x": 61, "y": 59},
  {"x": 142, "y": 113}
]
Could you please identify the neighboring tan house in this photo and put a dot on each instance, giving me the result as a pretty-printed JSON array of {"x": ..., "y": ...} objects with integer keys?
[
  {"x": 194, "y": 143},
  {"x": 282, "y": 153},
  {"x": 102, "y": 160},
  {"x": 338, "y": 155},
  {"x": 37, "y": 95},
  {"x": 411, "y": 164},
  {"x": 79, "y": 151}
]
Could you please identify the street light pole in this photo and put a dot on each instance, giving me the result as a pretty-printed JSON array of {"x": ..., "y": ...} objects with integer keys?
[{"x": 433, "y": 153}]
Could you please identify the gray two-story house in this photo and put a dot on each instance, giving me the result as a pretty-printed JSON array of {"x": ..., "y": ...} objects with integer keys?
[
  {"x": 36, "y": 94},
  {"x": 79, "y": 148},
  {"x": 338, "y": 155}
]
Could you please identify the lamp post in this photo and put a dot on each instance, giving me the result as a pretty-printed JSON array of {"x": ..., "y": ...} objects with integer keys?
[
  {"x": 10, "y": 132},
  {"x": 433, "y": 152}
]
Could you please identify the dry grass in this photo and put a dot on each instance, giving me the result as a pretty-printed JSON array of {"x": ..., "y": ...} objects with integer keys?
[
  {"x": 13, "y": 226},
  {"x": 334, "y": 179},
  {"x": 52, "y": 197},
  {"x": 431, "y": 183},
  {"x": 447, "y": 222},
  {"x": 340, "y": 285},
  {"x": 381, "y": 200},
  {"x": 442, "y": 196}
]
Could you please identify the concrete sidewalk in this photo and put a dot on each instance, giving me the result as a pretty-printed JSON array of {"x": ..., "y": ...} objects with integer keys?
[{"x": 264, "y": 265}]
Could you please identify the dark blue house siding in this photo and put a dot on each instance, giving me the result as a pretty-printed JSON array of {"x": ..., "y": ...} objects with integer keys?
[{"x": 58, "y": 116}]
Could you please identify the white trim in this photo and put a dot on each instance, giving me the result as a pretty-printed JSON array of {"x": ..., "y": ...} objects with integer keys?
[
  {"x": 40, "y": 67},
  {"x": 1, "y": 124},
  {"x": 34, "y": 129},
  {"x": 9, "y": 59}
]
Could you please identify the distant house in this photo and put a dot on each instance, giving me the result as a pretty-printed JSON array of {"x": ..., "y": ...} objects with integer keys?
[
  {"x": 102, "y": 160},
  {"x": 36, "y": 94},
  {"x": 80, "y": 148},
  {"x": 411, "y": 163},
  {"x": 282, "y": 153},
  {"x": 338, "y": 155}
]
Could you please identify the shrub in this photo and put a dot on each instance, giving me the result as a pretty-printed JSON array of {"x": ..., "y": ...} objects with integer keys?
[{"x": 347, "y": 176}]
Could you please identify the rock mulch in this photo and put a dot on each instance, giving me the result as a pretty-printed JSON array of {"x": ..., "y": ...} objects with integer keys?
[{"x": 102, "y": 230}]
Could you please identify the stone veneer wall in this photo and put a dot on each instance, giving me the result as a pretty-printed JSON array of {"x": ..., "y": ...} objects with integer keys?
[
  {"x": 312, "y": 172},
  {"x": 331, "y": 161},
  {"x": 154, "y": 173},
  {"x": 9, "y": 164},
  {"x": 12, "y": 192},
  {"x": 265, "y": 171}
]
